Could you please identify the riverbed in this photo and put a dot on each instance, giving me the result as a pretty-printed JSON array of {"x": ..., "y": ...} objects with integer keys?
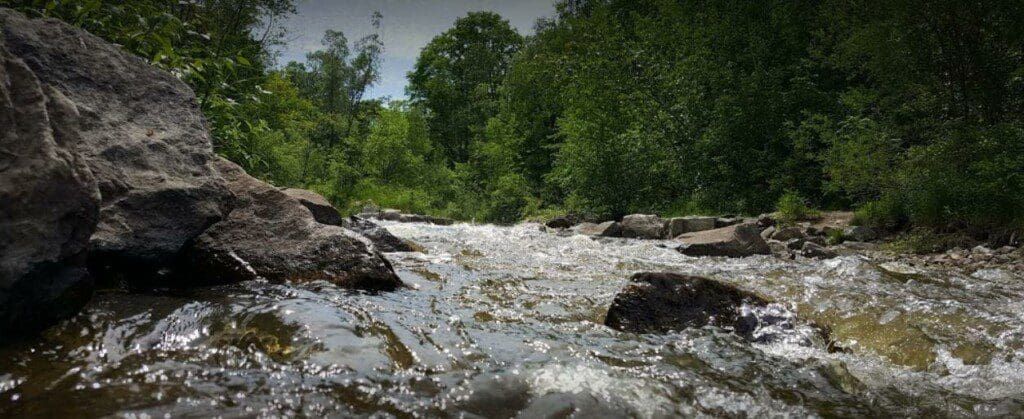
[{"x": 508, "y": 321}]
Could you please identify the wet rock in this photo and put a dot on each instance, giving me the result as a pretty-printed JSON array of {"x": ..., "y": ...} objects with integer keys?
[
  {"x": 765, "y": 220},
  {"x": 666, "y": 302},
  {"x": 380, "y": 236},
  {"x": 143, "y": 137},
  {"x": 817, "y": 251},
  {"x": 322, "y": 210},
  {"x": 391, "y": 215},
  {"x": 272, "y": 236},
  {"x": 860, "y": 233},
  {"x": 780, "y": 250},
  {"x": 49, "y": 204},
  {"x": 767, "y": 233},
  {"x": 559, "y": 222},
  {"x": 727, "y": 221},
  {"x": 795, "y": 244},
  {"x": 735, "y": 241},
  {"x": 642, "y": 226},
  {"x": 605, "y": 229},
  {"x": 787, "y": 233},
  {"x": 682, "y": 225}
]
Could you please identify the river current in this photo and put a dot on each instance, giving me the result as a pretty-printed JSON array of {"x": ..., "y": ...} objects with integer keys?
[{"x": 508, "y": 321}]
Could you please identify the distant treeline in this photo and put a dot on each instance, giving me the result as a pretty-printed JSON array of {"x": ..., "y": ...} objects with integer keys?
[{"x": 910, "y": 111}]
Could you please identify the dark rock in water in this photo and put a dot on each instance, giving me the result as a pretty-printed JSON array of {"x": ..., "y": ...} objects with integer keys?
[
  {"x": 322, "y": 210},
  {"x": 49, "y": 204},
  {"x": 605, "y": 229},
  {"x": 380, "y": 236},
  {"x": 765, "y": 220},
  {"x": 272, "y": 236},
  {"x": 143, "y": 137},
  {"x": 740, "y": 240},
  {"x": 780, "y": 250},
  {"x": 559, "y": 222},
  {"x": 642, "y": 226},
  {"x": 398, "y": 216},
  {"x": 666, "y": 302},
  {"x": 817, "y": 251}
]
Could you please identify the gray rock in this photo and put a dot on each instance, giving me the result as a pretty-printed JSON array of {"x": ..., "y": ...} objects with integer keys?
[
  {"x": 860, "y": 233},
  {"x": 816, "y": 251},
  {"x": 780, "y": 250},
  {"x": 143, "y": 137},
  {"x": 49, "y": 204},
  {"x": 734, "y": 241},
  {"x": 795, "y": 244},
  {"x": 642, "y": 226},
  {"x": 322, "y": 210},
  {"x": 382, "y": 239},
  {"x": 391, "y": 215},
  {"x": 787, "y": 233},
  {"x": 727, "y": 221},
  {"x": 605, "y": 229},
  {"x": 682, "y": 225},
  {"x": 666, "y": 302},
  {"x": 272, "y": 236},
  {"x": 767, "y": 233}
]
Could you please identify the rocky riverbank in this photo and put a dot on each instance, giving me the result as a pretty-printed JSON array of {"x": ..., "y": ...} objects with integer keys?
[{"x": 110, "y": 178}]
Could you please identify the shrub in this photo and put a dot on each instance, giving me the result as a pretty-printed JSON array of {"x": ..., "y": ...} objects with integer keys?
[{"x": 792, "y": 208}]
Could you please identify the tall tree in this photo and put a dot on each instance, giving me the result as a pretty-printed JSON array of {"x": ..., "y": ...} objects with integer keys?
[{"x": 457, "y": 76}]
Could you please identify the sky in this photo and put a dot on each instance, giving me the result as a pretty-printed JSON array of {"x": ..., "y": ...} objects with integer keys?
[{"x": 407, "y": 27}]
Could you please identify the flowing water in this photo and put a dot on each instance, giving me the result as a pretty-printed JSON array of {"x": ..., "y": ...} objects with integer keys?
[{"x": 507, "y": 321}]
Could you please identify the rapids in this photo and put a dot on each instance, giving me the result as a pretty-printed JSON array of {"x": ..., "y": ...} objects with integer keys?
[{"x": 507, "y": 321}]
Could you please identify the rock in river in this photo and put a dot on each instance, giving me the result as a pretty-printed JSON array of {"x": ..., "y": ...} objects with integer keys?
[
  {"x": 322, "y": 210},
  {"x": 49, "y": 204},
  {"x": 273, "y": 236},
  {"x": 734, "y": 241},
  {"x": 665, "y": 302},
  {"x": 143, "y": 137},
  {"x": 642, "y": 226},
  {"x": 380, "y": 236}
]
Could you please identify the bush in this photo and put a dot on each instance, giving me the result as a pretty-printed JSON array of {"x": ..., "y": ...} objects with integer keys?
[
  {"x": 792, "y": 208},
  {"x": 886, "y": 214}
]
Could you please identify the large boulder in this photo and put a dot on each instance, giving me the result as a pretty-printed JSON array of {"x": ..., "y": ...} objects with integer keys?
[
  {"x": 322, "y": 210},
  {"x": 272, "y": 236},
  {"x": 682, "y": 225},
  {"x": 739, "y": 240},
  {"x": 666, "y": 302},
  {"x": 143, "y": 137},
  {"x": 49, "y": 204},
  {"x": 642, "y": 226}
]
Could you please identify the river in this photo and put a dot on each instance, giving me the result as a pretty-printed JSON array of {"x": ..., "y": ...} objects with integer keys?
[{"x": 507, "y": 321}]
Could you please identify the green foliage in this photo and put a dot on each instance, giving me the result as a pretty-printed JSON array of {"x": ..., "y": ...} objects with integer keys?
[
  {"x": 792, "y": 208},
  {"x": 886, "y": 214}
]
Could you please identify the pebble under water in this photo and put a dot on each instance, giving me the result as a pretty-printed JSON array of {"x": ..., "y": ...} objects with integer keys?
[{"x": 507, "y": 322}]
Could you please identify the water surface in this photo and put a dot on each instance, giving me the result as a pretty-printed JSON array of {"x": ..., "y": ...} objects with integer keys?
[{"x": 507, "y": 321}]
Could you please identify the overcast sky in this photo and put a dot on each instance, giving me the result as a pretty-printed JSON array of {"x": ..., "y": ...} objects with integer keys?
[{"x": 408, "y": 26}]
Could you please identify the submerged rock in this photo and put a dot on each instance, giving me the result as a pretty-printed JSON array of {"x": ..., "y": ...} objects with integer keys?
[
  {"x": 734, "y": 241},
  {"x": 49, "y": 204},
  {"x": 272, "y": 236},
  {"x": 143, "y": 137},
  {"x": 642, "y": 226},
  {"x": 666, "y": 302}
]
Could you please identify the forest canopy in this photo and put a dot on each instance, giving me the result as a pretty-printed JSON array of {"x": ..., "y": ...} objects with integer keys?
[{"x": 909, "y": 111}]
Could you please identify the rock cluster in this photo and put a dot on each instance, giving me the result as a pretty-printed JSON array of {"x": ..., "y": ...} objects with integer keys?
[
  {"x": 398, "y": 216},
  {"x": 980, "y": 257},
  {"x": 109, "y": 175}
]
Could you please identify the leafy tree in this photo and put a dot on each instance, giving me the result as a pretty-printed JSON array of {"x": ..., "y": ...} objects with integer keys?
[{"x": 457, "y": 77}]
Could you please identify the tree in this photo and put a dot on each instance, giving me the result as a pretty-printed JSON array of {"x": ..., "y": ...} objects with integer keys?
[{"x": 457, "y": 77}]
